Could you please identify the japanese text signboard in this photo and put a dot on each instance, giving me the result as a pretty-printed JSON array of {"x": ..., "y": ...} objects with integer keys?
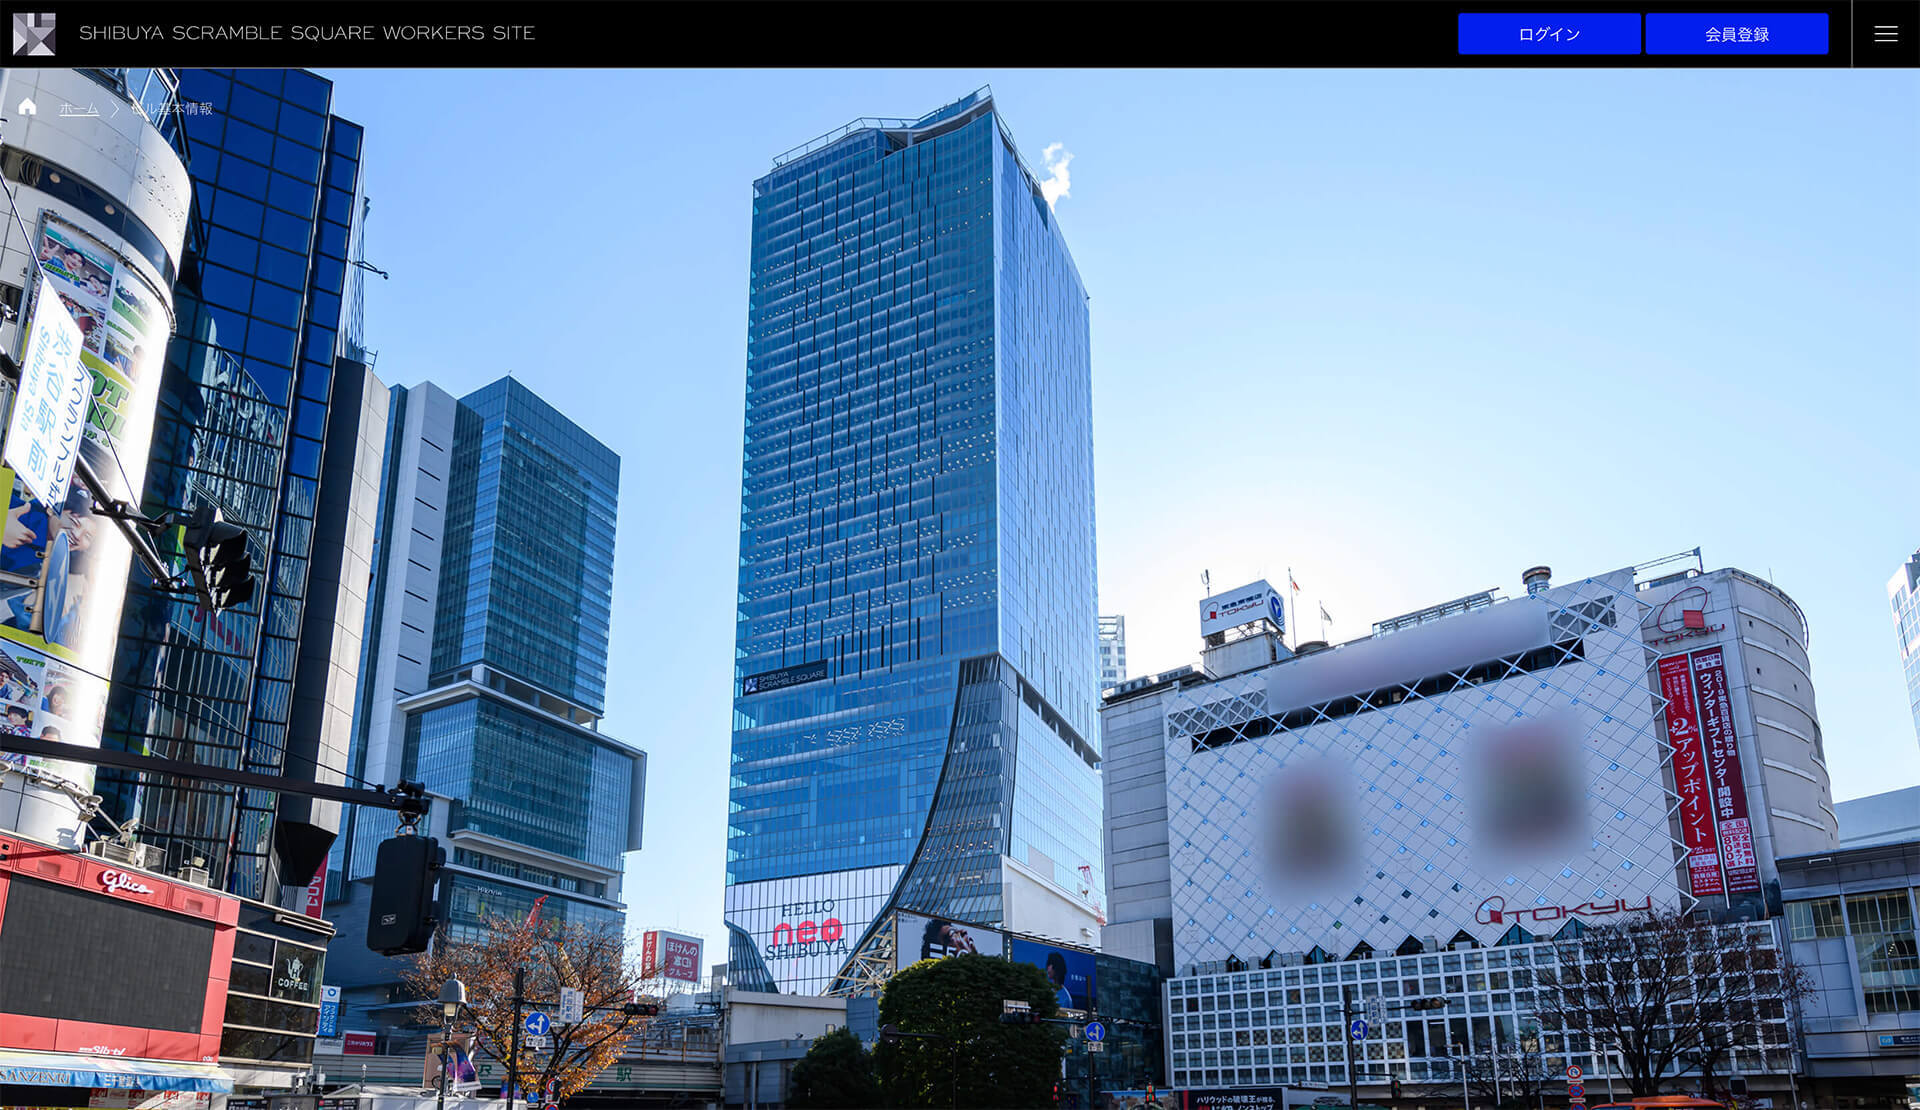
[
  {"x": 1690, "y": 777},
  {"x": 1725, "y": 780},
  {"x": 670, "y": 956},
  {"x": 50, "y": 406}
]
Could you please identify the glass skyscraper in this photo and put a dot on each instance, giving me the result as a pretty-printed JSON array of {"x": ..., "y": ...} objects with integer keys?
[
  {"x": 914, "y": 725},
  {"x": 268, "y": 318},
  {"x": 484, "y": 673}
]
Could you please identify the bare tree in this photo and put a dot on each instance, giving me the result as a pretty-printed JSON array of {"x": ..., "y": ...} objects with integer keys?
[
  {"x": 562, "y": 954},
  {"x": 1514, "y": 1074},
  {"x": 1670, "y": 994}
]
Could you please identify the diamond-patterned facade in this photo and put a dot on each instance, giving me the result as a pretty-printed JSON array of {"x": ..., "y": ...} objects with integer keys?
[{"x": 1397, "y": 719}]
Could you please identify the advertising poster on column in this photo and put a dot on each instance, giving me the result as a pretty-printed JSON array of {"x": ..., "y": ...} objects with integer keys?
[
  {"x": 919, "y": 936},
  {"x": 63, "y": 569},
  {"x": 1728, "y": 783},
  {"x": 1690, "y": 777}
]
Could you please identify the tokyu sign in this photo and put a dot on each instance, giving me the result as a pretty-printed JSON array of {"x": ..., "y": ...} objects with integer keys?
[{"x": 1250, "y": 603}]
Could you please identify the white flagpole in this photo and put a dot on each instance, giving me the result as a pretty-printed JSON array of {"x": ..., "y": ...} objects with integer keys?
[{"x": 1293, "y": 607}]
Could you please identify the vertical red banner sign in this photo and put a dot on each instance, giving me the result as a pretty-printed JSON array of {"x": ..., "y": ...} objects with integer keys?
[
  {"x": 1690, "y": 777},
  {"x": 316, "y": 893},
  {"x": 1723, "y": 771}
]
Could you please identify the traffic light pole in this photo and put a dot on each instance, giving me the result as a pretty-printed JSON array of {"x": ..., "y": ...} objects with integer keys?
[
  {"x": 513, "y": 1053},
  {"x": 1353, "y": 1077},
  {"x": 133, "y": 524},
  {"x": 407, "y": 797},
  {"x": 1093, "y": 1083}
]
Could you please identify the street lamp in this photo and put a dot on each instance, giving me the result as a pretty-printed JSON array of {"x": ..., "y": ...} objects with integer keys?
[{"x": 453, "y": 995}]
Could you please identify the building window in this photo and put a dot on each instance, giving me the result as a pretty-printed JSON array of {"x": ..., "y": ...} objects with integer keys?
[
  {"x": 1884, "y": 943},
  {"x": 1815, "y": 920}
]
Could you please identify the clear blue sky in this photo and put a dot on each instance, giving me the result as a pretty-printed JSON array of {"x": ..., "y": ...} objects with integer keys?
[{"x": 1407, "y": 333}]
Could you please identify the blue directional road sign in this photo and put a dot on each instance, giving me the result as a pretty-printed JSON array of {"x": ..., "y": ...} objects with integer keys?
[
  {"x": 537, "y": 1024},
  {"x": 1096, "y": 1031},
  {"x": 1358, "y": 1029}
]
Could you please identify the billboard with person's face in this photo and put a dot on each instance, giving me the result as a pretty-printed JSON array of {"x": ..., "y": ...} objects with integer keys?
[
  {"x": 1069, "y": 970},
  {"x": 918, "y": 936}
]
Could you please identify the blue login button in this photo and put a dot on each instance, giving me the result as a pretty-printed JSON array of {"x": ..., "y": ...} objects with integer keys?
[
  {"x": 1543, "y": 33},
  {"x": 1709, "y": 33}
]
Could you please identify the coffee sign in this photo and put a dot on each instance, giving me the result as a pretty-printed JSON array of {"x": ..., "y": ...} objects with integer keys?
[{"x": 296, "y": 973}]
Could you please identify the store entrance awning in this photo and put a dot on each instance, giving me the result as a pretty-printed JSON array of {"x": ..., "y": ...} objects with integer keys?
[{"x": 66, "y": 1069}]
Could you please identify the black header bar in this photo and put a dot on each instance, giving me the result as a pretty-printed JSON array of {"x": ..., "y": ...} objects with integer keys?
[{"x": 331, "y": 34}]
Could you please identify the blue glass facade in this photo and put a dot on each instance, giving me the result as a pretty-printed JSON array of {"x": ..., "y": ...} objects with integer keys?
[
  {"x": 527, "y": 584},
  {"x": 522, "y": 778},
  {"x": 263, "y": 301},
  {"x": 915, "y": 640},
  {"x": 484, "y": 663}
]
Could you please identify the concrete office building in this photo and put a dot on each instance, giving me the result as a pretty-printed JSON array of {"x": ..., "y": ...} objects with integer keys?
[
  {"x": 1888, "y": 818},
  {"x": 484, "y": 675},
  {"x": 914, "y": 726},
  {"x": 1903, "y": 594},
  {"x": 1850, "y": 922},
  {"x": 1269, "y": 812}
]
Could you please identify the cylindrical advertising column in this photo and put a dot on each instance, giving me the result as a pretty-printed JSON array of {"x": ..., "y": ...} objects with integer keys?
[{"x": 91, "y": 248}]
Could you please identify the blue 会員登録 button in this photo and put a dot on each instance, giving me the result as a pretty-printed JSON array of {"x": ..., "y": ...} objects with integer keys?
[
  {"x": 1549, "y": 33},
  {"x": 1710, "y": 33}
]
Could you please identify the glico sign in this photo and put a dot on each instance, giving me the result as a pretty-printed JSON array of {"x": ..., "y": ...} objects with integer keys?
[
  {"x": 818, "y": 933},
  {"x": 1682, "y": 617}
]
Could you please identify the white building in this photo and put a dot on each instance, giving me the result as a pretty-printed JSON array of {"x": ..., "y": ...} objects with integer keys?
[
  {"x": 93, "y": 159},
  {"x": 1480, "y": 774},
  {"x": 1113, "y": 651},
  {"x": 1903, "y": 595}
]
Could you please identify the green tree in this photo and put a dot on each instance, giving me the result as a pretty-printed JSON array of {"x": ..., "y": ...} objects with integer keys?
[
  {"x": 950, "y": 1048},
  {"x": 836, "y": 1074}
]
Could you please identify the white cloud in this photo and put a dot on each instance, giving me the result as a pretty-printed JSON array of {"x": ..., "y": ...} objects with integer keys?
[{"x": 1057, "y": 184}]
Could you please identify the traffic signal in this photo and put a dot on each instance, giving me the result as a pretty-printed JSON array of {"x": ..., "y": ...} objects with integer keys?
[
  {"x": 217, "y": 559},
  {"x": 1020, "y": 1017},
  {"x": 1396, "y": 1089},
  {"x": 400, "y": 916},
  {"x": 1426, "y": 1003}
]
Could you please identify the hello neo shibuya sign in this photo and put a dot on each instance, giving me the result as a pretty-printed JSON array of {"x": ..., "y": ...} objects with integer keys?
[{"x": 807, "y": 929}]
